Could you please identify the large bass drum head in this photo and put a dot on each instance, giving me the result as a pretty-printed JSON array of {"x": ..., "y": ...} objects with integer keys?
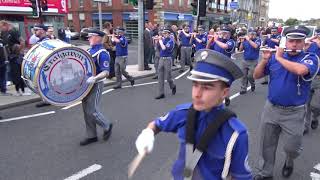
[{"x": 62, "y": 76}]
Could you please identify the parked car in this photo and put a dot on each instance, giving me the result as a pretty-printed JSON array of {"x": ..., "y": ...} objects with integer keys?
[{"x": 74, "y": 34}]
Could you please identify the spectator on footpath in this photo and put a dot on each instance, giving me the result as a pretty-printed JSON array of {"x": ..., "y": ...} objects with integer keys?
[
  {"x": 11, "y": 38},
  {"x": 110, "y": 47},
  {"x": 50, "y": 33},
  {"x": 33, "y": 39},
  {"x": 62, "y": 34},
  {"x": 68, "y": 35},
  {"x": 147, "y": 39}
]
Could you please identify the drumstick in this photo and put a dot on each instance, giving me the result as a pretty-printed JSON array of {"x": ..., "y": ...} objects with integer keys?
[{"x": 135, "y": 164}]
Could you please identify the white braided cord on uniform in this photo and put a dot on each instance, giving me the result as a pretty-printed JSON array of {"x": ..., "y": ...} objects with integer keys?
[{"x": 228, "y": 154}]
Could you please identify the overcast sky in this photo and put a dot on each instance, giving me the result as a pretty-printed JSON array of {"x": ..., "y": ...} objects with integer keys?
[{"x": 299, "y": 9}]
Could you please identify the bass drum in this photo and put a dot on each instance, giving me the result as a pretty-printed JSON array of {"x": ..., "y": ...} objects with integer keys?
[{"x": 58, "y": 71}]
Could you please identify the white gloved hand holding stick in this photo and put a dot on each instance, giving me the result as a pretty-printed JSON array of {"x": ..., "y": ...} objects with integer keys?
[
  {"x": 145, "y": 141},
  {"x": 91, "y": 80}
]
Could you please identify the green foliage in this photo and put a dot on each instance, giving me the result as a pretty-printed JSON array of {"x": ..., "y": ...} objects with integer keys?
[{"x": 292, "y": 22}]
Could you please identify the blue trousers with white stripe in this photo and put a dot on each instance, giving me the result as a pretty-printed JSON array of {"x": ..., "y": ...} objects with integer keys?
[{"x": 92, "y": 114}]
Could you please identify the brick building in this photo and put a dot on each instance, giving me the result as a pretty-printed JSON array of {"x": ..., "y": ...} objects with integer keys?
[{"x": 84, "y": 13}]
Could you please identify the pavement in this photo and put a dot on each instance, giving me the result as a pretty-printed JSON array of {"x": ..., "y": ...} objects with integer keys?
[{"x": 132, "y": 69}]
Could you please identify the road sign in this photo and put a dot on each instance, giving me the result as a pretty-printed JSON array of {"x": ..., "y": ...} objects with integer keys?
[{"x": 234, "y": 5}]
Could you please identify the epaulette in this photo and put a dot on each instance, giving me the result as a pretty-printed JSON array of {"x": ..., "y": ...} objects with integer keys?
[{"x": 237, "y": 125}]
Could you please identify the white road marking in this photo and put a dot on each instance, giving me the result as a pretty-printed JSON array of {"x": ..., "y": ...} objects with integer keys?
[
  {"x": 72, "y": 105},
  {"x": 143, "y": 84},
  {"x": 84, "y": 172},
  {"x": 238, "y": 94},
  {"x": 317, "y": 167},
  {"x": 107, "y": 91},
  {"x": 181, "y": 75},
  {"x": 28, "y": 116}
]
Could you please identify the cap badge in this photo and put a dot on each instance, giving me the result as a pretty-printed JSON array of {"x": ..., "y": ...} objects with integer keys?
[{"x": 204, "y": 55}]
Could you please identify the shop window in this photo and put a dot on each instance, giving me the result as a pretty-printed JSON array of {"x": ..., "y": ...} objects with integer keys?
[
  {"x": 69, "y": 4},
  {"x": 171, "y": 2},
  {"x": 81, "y": 3},
  {"x": 94, "y": 4},
  {"x": 181, "y": 3},
  {"x": 125, "y": 1}
]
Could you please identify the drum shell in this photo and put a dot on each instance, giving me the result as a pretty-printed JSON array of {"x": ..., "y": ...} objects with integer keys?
[{"x": 57, "y": 54}]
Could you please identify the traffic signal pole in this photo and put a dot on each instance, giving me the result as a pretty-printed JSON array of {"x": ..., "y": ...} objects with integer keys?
[
  {"x": 198, "y": 17},
  {"x": 140, "y": 35}
]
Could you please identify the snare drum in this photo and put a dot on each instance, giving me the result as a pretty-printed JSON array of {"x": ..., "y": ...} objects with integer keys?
[{"x": 58, "y": 71}]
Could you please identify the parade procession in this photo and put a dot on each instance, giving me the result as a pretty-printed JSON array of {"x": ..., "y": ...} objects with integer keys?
[{"x": 180, "y": 90}]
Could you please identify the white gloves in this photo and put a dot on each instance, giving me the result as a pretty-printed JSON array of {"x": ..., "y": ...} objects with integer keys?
[
  {"x": 91, "y": 80},
  {"x": 145, "y": 141}
]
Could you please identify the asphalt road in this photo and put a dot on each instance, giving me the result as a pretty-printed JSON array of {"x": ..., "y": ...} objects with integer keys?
[{"x": 47, "y": 147}]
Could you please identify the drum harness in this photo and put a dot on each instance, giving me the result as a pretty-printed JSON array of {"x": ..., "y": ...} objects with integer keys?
[
  {"x": 97, "y": 54},
  {"x": 194, "y": 151}
]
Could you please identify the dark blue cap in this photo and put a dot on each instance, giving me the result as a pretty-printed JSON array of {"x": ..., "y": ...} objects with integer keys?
[
  {"x": 166, "y": 29},
  {"x": 95, "y": 32},
  {"x": 201, "y": 27},
  {"x": 120, "y": 29},
  {"x": 40, "y": 26},
  {"x": 274, "y": 28},
  {"x": 296, "y": 32},
  {"x": 214, "y": 66},
  {"x": 225, "y": 29}
]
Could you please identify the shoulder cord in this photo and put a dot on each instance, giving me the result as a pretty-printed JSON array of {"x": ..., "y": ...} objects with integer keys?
[
  {"x": 232, "y": 48},
  {"x": 228, "y": 154}
]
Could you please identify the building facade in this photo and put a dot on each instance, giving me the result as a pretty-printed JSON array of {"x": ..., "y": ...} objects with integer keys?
[
  {"x": 19, "y": 13},
  {"x": 84, "y": 13},
  {"x": 248, "y": 12},
  {"x": 263, "y": 13}
]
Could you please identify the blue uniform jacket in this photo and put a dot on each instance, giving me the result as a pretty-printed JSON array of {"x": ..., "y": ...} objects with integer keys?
[
  {"x": 231, "y": 45},
  {"x": 122, "y": 47},
  {"x": 185, "y": 41},
  {"x": 211, "y": 162},
  {"x": 98, "y": 51},
  {"x": 283, "y": 89},
  {"x": 251, "y": 53},
  {"x": 314, "y": 48},
  {"x": 169, "y": 44},
  {"x": 203, "y": 44},
  {"x": 270, "y": 43}
]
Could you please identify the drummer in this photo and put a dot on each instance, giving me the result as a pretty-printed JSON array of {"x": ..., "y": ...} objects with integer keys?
[
  {"x": 91, "y": 102},
  {"x": 40, "y": 32}
]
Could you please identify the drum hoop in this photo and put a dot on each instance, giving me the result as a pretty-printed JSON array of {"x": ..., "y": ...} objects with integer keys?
[{"x": 37, "y": 74}]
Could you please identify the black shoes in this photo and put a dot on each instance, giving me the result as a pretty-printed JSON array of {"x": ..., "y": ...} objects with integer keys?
[
  {"x": 117, "y": 87},
  {"x": 314, "y": 124},
  {"x": 107, "y": 134},
  {"x": 88, "y": 141},
  {"x": 155, "y": 77},
  {"x": 132, "y": 83},
  {"x": 253, "y": 88},
  {"x": 161, "y": 96},
  {"x": 243, "y": 91},
  {"x": 181, "y": 71},
  {"x": 227, "y": 101},
  {"x": 287, "y": 170},
  {"x": 147, "y": 68},
  {"x": 174, "y": 90},
  {"x": 0, "y": 117},
  {"x": 260, "y": 177},
  {"x": 42, "y": 104},
  {"x": 265, "y": 82}
]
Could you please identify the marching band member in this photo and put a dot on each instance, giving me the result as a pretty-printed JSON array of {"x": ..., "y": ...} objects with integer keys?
[
  {"x": 313, "y": 105},
  {"x": 272, "y": 40},
  {"x": 251, "y": 47},
  {"x": 212, "y": 76},
  {"x": 199, "y": 39},
  {"x": 90, "y": 104},
  {"x": 157, "y": 52},
  {"x": 288, "y": 93},
  {"x": 166, "y": 45},
  {"x": 121, "y": 57},
  {"x": 186, "y": 49},
  {"x": 222, "y": 42}
]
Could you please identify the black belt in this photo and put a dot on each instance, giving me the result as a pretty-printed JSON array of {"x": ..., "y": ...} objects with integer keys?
[{"x": 288, "y": 107}]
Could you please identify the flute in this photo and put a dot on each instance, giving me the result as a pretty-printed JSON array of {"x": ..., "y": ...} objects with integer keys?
[{"x": 285, "y": 50}]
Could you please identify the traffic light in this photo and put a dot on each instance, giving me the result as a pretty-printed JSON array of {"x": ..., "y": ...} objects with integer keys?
[
  {"x": 194, "y": 6},
  {"x": 44, "y": 5},
  {"x": 133, "y": 2},
  {"x": 202, "y": 8},
  {"x": 34, "y": 6},
  {"x": 150, "y": 4}
]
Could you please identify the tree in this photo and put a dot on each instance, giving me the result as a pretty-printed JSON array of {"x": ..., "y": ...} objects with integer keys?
[{"x": 292, "y": 22}]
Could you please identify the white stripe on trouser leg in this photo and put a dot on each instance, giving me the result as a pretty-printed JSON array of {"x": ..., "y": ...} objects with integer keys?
[{"x": 96, "y": 113}]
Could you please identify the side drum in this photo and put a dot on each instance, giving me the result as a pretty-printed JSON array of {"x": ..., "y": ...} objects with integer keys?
[{"x": 58, "y": 71}]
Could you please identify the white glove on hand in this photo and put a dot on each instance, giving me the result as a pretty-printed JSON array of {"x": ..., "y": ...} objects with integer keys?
[
  {"x": 145, "y": 141},
  {"x": 91, "y": 80}
]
